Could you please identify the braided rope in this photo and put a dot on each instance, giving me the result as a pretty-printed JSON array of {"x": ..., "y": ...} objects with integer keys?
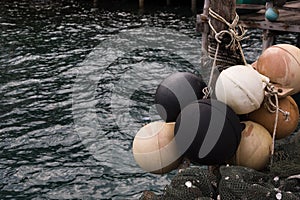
[
  {"x": 234, "y": 43},
  {"x": 271, "y": 92},
  {"x": 235, "y": 37},
  {"x": 271, "y": 107},
  {"x": 208, "y": 90}
]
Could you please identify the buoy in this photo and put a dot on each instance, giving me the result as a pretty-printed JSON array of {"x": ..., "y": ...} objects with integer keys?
[
  {"x": 287, "y": 119},
  {"x": 177, "y": 91},
  {"x": 241, "y": 87},
  {"x": 272, "y": 14},
  {"x": 281, "y": 63},
  {"x": 208, "y": 132},
  {"x": 153, "y": 149},
  {"x": 255, "y": 147}
]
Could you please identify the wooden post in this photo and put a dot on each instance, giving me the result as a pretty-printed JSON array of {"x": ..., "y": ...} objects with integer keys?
[
  {"x": 268, "y": 39},
  {"x": 268, "y": 36},
  {"x": 168, "y": 2},
  {"x": 226, "y": 9},
  {"x": 202, "y": 21},
  {"x": 194, "y": 6},
  {"x": 141, "y": 4},
  {"x": 226, "y": 56},
  {"x": 95, "y": 3},
  {"x": 202, "y": 25}
]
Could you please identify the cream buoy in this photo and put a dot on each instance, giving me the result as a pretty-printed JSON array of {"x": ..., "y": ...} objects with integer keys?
[
  {"x": 281, "y": 63},
  {"x": 153, "y": 149},
  {"x": 286, "y": 124},
  {"x": 241, "y": 87},
  {"x": 255, "y": 147}
]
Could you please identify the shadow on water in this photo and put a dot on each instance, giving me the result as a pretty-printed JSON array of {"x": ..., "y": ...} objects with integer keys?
[{"x": 45, "y": 47}]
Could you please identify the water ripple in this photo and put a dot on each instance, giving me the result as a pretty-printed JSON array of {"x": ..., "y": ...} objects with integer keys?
[{"x": 42, "y": 47}]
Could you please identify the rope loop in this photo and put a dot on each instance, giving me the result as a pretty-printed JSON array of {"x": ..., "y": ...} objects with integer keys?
[
  {"x": 234, "y": 43},
  {"x": 207, "y": 92},
  {"x": 271, "y": 107},
  {"x": 236, "y": 32}
]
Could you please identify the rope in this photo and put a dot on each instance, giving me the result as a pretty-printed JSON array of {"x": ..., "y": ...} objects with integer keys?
[
  {"x": 286, "y": 114},
  {"x": 275, "y": 128},
  {"x": 208, "y": 90},
  {"x": 232, "y": 32},
  {"x": 271, "y": 92},
  {"x": 234, "y": 43}
]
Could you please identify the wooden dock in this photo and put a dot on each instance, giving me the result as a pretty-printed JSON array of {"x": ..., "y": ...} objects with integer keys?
[
  {"x": 142, "y": 4},
  {"x": 289, "y": 18},
  {"x": 288, "y": 21},
  {"x": 169, "y": 2}
]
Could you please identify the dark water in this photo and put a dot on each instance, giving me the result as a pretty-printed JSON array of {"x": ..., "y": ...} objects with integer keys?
[{"x": 76, "y": 84}]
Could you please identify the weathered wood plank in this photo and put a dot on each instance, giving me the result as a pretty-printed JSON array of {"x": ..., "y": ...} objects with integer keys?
[
  {"x": 293, "y": 4},
  {"x": 286, "y": 21},
  {"x": 278, "y": 26},
  {"x": 289, "y": 6},
  {"x": 250, "y": 6},
  {"x": 194, "y": 6}
]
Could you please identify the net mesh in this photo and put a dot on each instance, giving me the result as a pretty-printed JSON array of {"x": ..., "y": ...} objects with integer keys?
[
  {"x": 225, "y": 57},
  {"x": 281, "y": 180}
]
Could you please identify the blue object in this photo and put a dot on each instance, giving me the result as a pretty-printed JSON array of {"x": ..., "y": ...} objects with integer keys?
[{"x": 272, "y": 14}]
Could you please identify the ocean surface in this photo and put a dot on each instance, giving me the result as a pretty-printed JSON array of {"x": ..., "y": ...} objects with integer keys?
[{"x": 77, "y": 83}]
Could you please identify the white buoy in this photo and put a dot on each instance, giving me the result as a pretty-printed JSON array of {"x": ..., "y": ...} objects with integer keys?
[{"x": 241, "y": 87}]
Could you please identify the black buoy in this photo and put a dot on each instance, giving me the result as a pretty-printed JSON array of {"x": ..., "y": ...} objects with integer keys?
[
  {"x": 177, "y": 91},
  {"x": 208, "y": 132}
]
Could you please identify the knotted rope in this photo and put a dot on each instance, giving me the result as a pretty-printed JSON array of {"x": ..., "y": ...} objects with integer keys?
[
  {"x": 236, "y": 38},
  {"x": 237, "y": 34},
  {"x": 234, "y": 43},
  {"x": 271, "y": 92}
]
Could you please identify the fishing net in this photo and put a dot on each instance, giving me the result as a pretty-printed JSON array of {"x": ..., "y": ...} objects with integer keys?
[{"x": 281, "y": 180}]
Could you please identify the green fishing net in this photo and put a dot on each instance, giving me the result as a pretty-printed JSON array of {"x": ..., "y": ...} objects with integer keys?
[{"x": 281, "y": 180}]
